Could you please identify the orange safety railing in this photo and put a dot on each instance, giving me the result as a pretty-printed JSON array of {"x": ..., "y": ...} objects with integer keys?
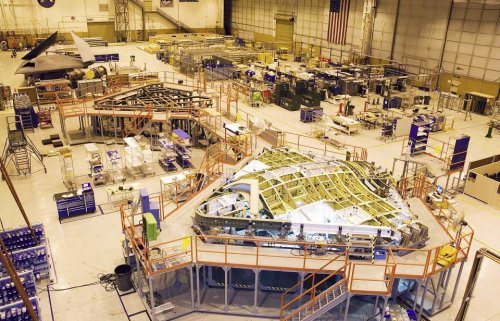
[
  {"x": 178, "y": 79},
  {"x": 381, "y": 285},
  {"x": 302, "y": 142},
  {"x": 417, "y": 263},
  {"x": 176, "y": 195},
  {"x": 230, "y": 251},
  {"x": 440, "y": 150},
  {"x": 139, "y": 120},
  {"x": 266, "y": 253}
]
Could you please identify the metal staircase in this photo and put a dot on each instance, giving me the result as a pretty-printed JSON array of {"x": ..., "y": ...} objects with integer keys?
[
  {"x": 139, "y": 123},
  {"x": 319, "y": 297},
  {"x": 179, "y": 24},
  {"x": 19, "y": 149},
  {"x": 324, "y": 302},
  {"x": 22, "y": 161}
]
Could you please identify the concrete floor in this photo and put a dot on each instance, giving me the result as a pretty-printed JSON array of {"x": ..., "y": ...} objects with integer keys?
[{"x": 82, "y": 249}]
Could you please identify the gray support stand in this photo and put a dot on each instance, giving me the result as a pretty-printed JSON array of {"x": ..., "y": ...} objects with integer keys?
[
  {"x": 437, "y": 289},
  {"x": 346, "y": 313},
  {"x": 226, "y": 281},
  {"x": 191, "y": 281},
  {"x": 422, "y": 301},
  {"x": 457, "y": 281},
  {"x": 127, "y": 252},
  {"x": 419, "y": 282},
  {"x": 447, "y": 282},
  {"x": 198, "y": 294},
  {"x": 256, "y": 290},
  {"x": 386, "y": 299},
  {"x": 374, "y": 312},
  {"x": 301, "y": 290},
  {"x": 447, "y": 181},
  {"x": 152, "y": 299}
]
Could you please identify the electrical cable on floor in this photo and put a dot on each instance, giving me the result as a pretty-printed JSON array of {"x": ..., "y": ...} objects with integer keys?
[
  {"x": 73, "y": 287},
  {"x": 107, "y": 281}
]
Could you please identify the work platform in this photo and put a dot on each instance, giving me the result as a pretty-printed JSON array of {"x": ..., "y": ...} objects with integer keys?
[{"x": 212, "y": 267}]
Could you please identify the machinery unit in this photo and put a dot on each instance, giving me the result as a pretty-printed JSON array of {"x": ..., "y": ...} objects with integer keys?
[
  {"x": 150, "y": 227},
  {"x": 308, "y": 97},
  {"x": 283, "y": 97}
]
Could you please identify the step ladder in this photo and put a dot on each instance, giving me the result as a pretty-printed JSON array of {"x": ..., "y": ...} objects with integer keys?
[
  {"x": 22, "y": 161},
  {"x": 27, "y": 121},
  {"x": 361, "y": 246}
]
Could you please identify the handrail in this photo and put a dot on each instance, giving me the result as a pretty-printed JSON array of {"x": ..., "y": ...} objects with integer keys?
[
  {"x": 312, "y": 292},
  {"x": 312, "y": 302},
  {"x": 311, "y": 275}
]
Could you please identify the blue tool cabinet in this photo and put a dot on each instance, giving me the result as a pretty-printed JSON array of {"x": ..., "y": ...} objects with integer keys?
[{"x": 75, "y": 202}]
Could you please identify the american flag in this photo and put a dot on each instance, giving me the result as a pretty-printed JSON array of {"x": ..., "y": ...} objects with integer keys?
[{"x": 337, "y": 23}]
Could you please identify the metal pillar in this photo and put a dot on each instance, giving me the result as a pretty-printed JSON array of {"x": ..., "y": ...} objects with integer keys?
[
  {"x": 385, "y": 306},
  {"x": 436, "y": 290},
  {"x": 419, "y": 282},
  {"x": 346, "y": 313},
  {"x": 301, "y": 289},
  {"x": 422, "y": 300},
  {"x": 457, "y": 281},
  {"x": 198, "y": 296},
  {"x": 445, "y": 288},
  {"x": 192, "y": 285},
  {"x": 256, "y": 290},
  {"x": 374, "y": 312},
  {"x": 226, "y": 279},
  {"x": 152, "y": 298},
  {"x": 11, "y": 270}
]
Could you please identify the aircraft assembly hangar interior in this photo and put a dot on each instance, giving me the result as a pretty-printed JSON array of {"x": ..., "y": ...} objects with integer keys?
[{"x": 247, "y": 160}]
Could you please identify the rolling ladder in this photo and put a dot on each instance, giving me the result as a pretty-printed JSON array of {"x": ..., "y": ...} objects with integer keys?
[
  {"x": 361, "y": 246},
  {"x": 19, "y": 149},
  {"x": 22, "y": 161}
]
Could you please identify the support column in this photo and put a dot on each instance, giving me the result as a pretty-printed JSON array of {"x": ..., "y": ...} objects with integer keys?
[
  {"x": 436, "y": 290},
  {"x": 422, "y": 300},
  {"x": 301, "y": 290},
  {"x": 192, "y": 285},
  {"x": 152, "y": 298},
  {"x": 374, "y": 312},
  {"x": 256, "y": 290},
  {"x": 226, "y": 281},
  {"x": 383, "y": 309},
  {"x": 457, "y": 281},
  {"x": 198, "y": 296},
  {"x": 419, "y": 283},
  {"x": 445, "y": 287},
  {"x": 346, "y": 313}
]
